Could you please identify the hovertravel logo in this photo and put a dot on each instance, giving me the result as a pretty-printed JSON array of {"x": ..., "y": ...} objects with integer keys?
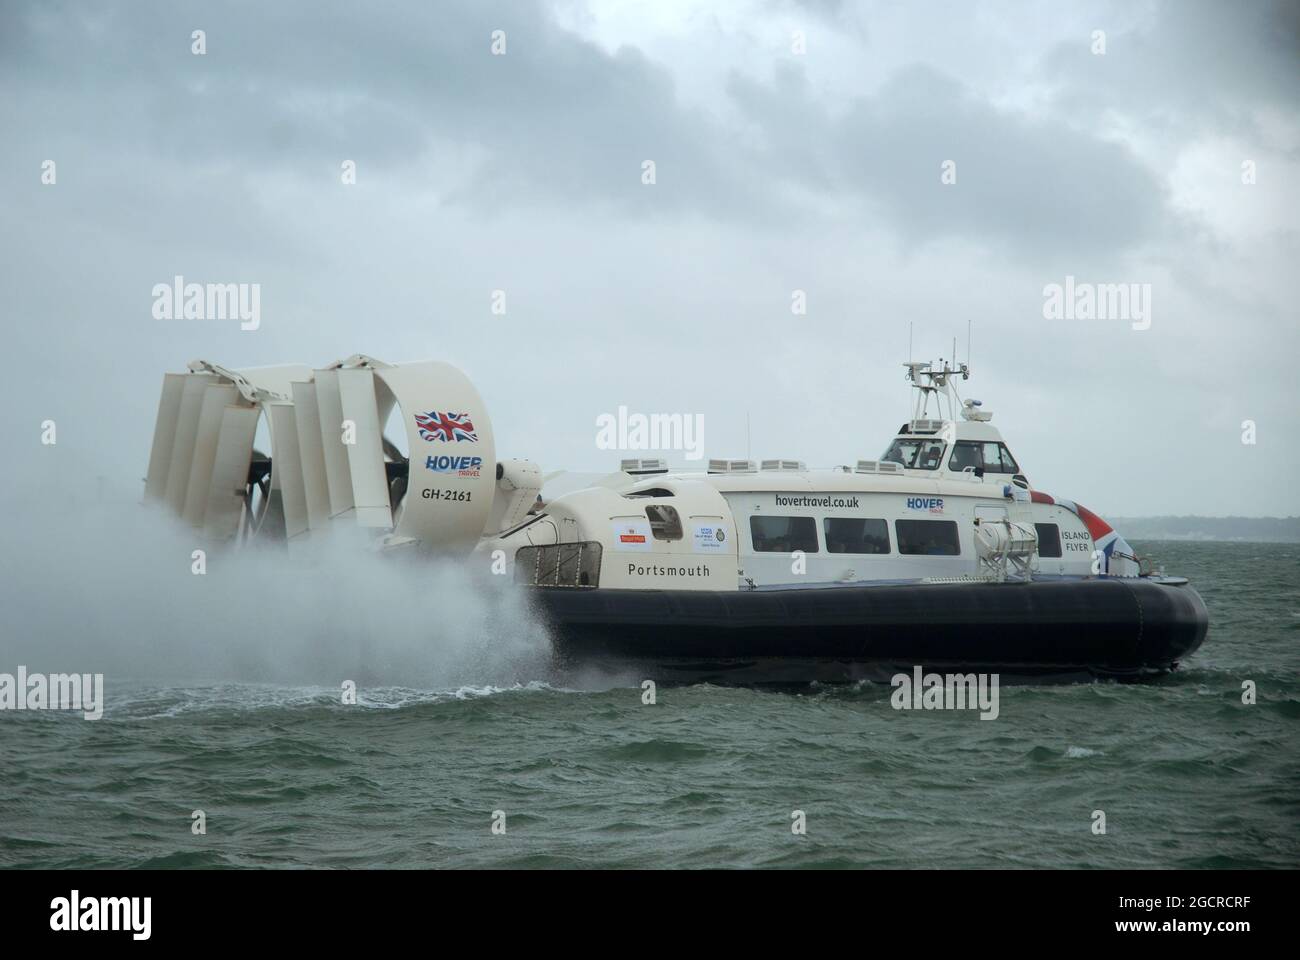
[
  {"x": 57, "y": 691},
  {"x": 460, "y": 466},
  {"x": 951, "y": 691},
  {"x": 75, "y": 913},
  {"x": 932, "y": 504}
]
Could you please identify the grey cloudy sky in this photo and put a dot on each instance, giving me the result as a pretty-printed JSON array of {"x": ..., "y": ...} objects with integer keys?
[{"x": 775, "y": 172}]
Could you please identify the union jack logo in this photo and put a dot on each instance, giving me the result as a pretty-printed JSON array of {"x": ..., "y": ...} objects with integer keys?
[{"x": 445, "y": 427}]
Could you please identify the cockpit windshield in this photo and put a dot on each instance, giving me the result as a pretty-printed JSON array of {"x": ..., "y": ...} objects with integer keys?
[{"x": 916, "y": 454}]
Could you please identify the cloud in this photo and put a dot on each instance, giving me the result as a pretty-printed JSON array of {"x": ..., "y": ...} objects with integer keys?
[
  {"x": 555, "y": 118},
  {"x": 1033, "y": 184},
  {"x": 1196, "y": 67},
  {"x": 774, "y": 173}
]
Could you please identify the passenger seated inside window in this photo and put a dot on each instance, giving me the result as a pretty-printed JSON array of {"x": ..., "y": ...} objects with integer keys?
[
  {"x": 964, "y": 455},
  {"x": 856, "y": 535},
  {"x": 783, "y": 534},
  {"x": 935, "y": 538},
  {"x": 895, "y": 454}
]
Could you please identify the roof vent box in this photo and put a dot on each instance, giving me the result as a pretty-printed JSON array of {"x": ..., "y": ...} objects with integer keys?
[
  {"x": 790, "y": 466},
  {"x": 879, "y": 466},
  {"x": 640, "y": 466},
  {"x": 731, "y": 466},
  {"x": 926, "y": 426}
]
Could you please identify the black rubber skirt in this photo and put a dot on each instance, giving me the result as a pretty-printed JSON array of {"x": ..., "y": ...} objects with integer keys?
[{"x": 1067, "y": 629}]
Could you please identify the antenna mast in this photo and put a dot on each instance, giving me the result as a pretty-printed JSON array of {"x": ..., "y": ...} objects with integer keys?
[{"x": 911, "y": 374}]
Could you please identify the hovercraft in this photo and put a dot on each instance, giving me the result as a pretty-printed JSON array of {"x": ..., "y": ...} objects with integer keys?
[{"x": 938, "y": 553}]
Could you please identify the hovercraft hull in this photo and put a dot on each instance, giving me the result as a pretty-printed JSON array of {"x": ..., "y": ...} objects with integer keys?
[{"x": 1050, "y": 629}]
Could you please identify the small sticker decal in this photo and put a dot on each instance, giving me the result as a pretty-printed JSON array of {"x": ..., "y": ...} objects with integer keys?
[
  {"x": 632, "y": 535},
  {"x": 709, "y": 538}
]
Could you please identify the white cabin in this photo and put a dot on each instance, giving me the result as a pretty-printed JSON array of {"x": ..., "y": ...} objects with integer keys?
[{"x": 947, "y": 499}]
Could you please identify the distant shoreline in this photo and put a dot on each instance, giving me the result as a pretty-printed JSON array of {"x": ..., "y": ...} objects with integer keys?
[{"x": 1220, "y": 529}]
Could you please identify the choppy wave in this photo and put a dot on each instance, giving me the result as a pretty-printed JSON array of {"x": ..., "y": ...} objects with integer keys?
[{"x": 587, "y": 774}]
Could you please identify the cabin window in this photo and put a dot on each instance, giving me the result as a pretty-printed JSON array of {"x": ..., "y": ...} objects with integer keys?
[
  {"x": 930, "y": 538},
  {"x": 855, "y": 535},
  {"x": 965, "y": 455},
  {"x": 1049, "y": 539},
  {"x": 665, "y": 524},
  {"x": 998, "y": 459},
  {"x": 990, "y": 456},
  {"x": 916, "y": 454},
  {"x": 783, "y": 534}
]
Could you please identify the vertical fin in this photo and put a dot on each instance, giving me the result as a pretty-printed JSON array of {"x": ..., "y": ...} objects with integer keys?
[
  {"x": 164, "y": 436},
  {"x": 212, "y": 407},
  {"x": 366, "y": 455},
  {"x": 330, "y": 406},
  {"x": 286, "y": 468},
  {"x": 187, "y": 422},
  {"x": 230, "y": 472},
  {"x": 312, "y": 454}
]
